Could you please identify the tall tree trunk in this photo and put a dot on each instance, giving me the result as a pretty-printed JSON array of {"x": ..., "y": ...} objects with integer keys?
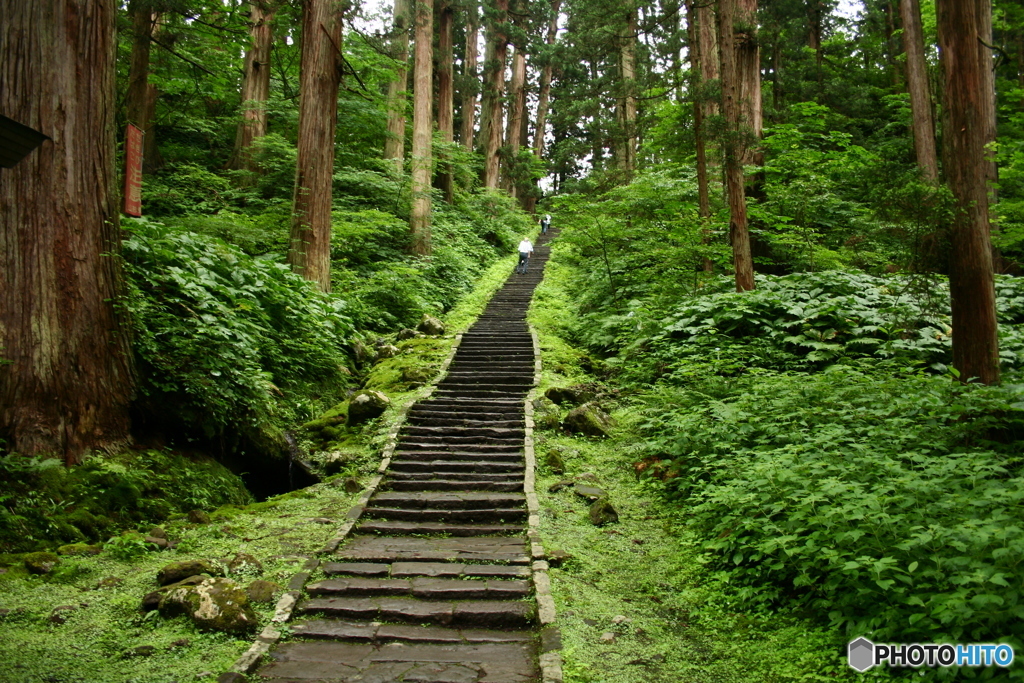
[
  {"x": 917, "y": 83},
  {"x": 516, "y": 109},
  {"x": 988, "y": 84},
  {"x": 394, "y": 144},
  {"x": 736, "y": 27},
  {"x": 707, "y": 29},
  {"x": 142, "y": 94},
  {"x": 815, "y": 10},
  {"x": 422, "y": 127},
  {"x": 494, "y": 87},
  {"x": 697, "y": 88},
  {"x": 967, "y": 131},
  {"x": 469, "y": 76},
  {"x": 445, "y": 91},
  {"x": 748, "y": 68},
  {"x": 255, "y": 87},
  {"x": 891, "y": 43},
  {"x": 67, "y": 379},
  {"x": 544, "y": 95},
  {"x": 320, "y": 75},
  {"x": 626, "y": 156}
]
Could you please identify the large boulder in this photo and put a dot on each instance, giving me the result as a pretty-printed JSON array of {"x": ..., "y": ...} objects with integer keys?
[
  {"x": 546, "y": 414},
  {"x": 151, "y": 600},
  {"x": 178, "y": 571},
  {"x": 602, "y": 512},
  {"x": 574, "y": 395},
  {"x": 215, "y": 604},
  {"x": 366, "y": 405},
  {"x": 40, "y": 563},
  {"x": 588, "y": 419},
  {"x": 386, "y": 351},
  {"x": 431, "y": 326}
]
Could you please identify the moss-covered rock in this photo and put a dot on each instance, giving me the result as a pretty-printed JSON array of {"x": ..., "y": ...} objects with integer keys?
[
  {"x": 367, "y": 405},
  {"x": 244, "y": 563},
  {"x": 602, "y": 512},
  {"x": 177, "y": 571},
  {"x": 151, "y": 600},
  {"x": 79, "y": 549},
  {"x": 263, "y": 591},
  {"x": 40, "y": 563},
  {"x": 215, "y": 604},
  {"x": 431, "y": 326},
  {"x": 588, "y": 419},
  {"x": 554, "y": 461}
]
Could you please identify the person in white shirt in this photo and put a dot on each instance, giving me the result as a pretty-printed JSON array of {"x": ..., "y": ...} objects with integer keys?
[
  {"x": 545, "y": 223},
  {"x": 525, "y": 249}
]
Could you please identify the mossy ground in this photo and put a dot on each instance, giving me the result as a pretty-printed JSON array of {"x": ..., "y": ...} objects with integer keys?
[
  {"x": 93, "y": 645},
  {"x": 648, "y": 567}
]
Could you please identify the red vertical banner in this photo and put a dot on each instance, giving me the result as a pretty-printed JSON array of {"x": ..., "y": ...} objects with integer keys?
[{"x": 133, "y": 171}]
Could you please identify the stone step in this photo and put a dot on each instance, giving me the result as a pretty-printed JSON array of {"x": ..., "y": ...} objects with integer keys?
[
  {"x": 469, "y": 445},
  {"x": 509, "y": 549},
  {"x": 423, "y": 588},
  {"x": 454, "y": 476},
  {"x": 386, "y": 527},
  {"x": 447, "y": 501},
  {"x": 503, "y": 433},
  {"x": 454, "y": 466},
  {"x": 443, "y": 515},
  {"x": 453, "y": 485},
  {"x": 507, "y": 392},
  {"x": 434, "y": 569},
  {"x": 474, "y": 455},
  {"x": 362, "y": 631},
  {"x": 479, "y": 613},
  {"x": 322, "y": 661},
  {"x": 492, "y": 379},
  {"x": 496, "y": 422}
]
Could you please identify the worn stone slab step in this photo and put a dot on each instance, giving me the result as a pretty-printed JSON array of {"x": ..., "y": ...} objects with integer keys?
[
  {"x": 455, "y": 466},
  {"x": 446, "y": 500},
  {"x": 512, "y": 413},
  {"x": 491, "y": 379},
  {"x": 362, "y": 631},
  {"x": 515, "y": 392},
  {"x": 341, "y": 662},
  {"x": 469, "y": 446},
  {"x": 510, "y": 549},
  {"x": 455, "y": 476},
  {"x": 493, "y": 432},
  {"x": 452, "y": 485},
  {"x": 482, "y": 613},
  {"x": 495, "y": 422},
  {"x": 463, "y": 453},
  {"x": 434, "y": 569},
  {"x": 427, "y": 515},
  {"x": 387, "y": 527},
  {"x": 470, "y": 406},
  {"x": 423, "y": 588}
]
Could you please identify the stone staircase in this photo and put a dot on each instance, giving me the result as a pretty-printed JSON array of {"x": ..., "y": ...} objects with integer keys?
[{"x": 436, "y": 582}]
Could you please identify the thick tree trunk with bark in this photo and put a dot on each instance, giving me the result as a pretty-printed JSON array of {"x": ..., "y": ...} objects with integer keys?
[
  {"x": 748, "y": 68},
  {"x": 544, "y": 95},
  {"x": 987, "y": 57},
  {"x": 320, "y": 76},
  {"x": 697, "y": 87},
  {"x": 707, "y": 30},
  {"x": 967, "y": 132},
  {"x": 255, "y": 87},
  {"x": 422, "y": 126},
  {"x": 922, "y": 124},
  {"x": 516, "y": 110},
  {"x": 66, "y": 375},
  {"x": 736, "y": 29},
  {"x": 626, "y": 156},
  {"x": 394, "y": 144},
  {"x": 491, "y": 128},
  {"x": 445, "y": 90},
  {"x": 470, "y": 77},
  {"x": 141, "y": 96},
  {"x": 815, "y": 10}
]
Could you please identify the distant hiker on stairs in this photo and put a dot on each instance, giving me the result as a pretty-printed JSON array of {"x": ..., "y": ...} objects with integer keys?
[{"x": 525, "y": 249}]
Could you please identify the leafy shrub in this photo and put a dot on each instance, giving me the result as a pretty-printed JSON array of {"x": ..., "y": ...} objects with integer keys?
[
  {"x": 892, "y": 504},
  {"x": 186, "y": 189},
  {"x": 228, "y": 340}
]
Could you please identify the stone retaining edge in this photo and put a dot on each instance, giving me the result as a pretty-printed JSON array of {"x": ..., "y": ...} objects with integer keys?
[
  {"x": 550, "y": 661},
  {"x": 269, "y": 636}
]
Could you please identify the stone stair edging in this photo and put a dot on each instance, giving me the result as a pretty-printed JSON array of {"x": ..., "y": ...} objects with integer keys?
[
  {"x": 550, "y": 660},
  {"x": 270, "y": 634}
]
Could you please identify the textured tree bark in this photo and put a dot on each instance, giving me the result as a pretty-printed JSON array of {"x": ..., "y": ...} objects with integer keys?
[
  {"x": 470, "y": 77},
  {"x": 748, "y": 68},
  {"x": 255, "y": 87},
  {"x": 494, "y": 87},
  {"x": 544, "y": 96},
  {"x": 627, "y": 103},
  {"x": 917, "y": 83},
  {"x": 707, "y": 28},
  {"x": 967, "y": 132},
  {"x": 141, "y": 96},
  {"x": 516, "y": 108},
  {"x": 422, "y": 126},
  {"x": 320, "y": 74},
  {"x": 737, "y": 134},
  {"x": 445, "y": 91},
  {"x": 987, "y": 57},
  {"x": 814, "y": 11},
  {"x": 697, "y": 87},
  {"x": 394, "y": 144},
  {"x": 66, "y": 379}
]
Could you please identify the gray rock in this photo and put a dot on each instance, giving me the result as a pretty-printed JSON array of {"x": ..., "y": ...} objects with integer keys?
[
  {"x": 215, "y": 604},
  {"x": 262, "y": 591},
  {"x": 431, "y": 326},
  {"x": 406, "y": 334},
  {"x": 386, "y": 351},
  {"x": 416, "y": 375},
  {"x": 157, "y": 532},
  {"x": 554, "y": 462},
  {"x": 602, "y": 512},
  {"x": 151, "y": 600},
  {"x": 589, "y": 492},
  {"x": 352, "y": 485},
  {"x": 608, "y": 637},
  {"x": 367, "y": 405},
  {"x": 574, "y": 395},
  {"x": 158, "y": 542},
  {"x": 589, "y": 420},
  {"x": 40, "y": 563},
  {"x": 557, "y": 557},
  {"x": 546, "y": 414},
  {"x": 198, "y": 517},
  {"x": 178, "y": 571},
  {"x": 559, "y": 485}
]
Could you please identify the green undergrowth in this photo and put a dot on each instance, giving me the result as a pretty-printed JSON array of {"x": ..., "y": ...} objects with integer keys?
[
  {"x": 684, "y": 621},
  {"x": 94, "y": 644}
]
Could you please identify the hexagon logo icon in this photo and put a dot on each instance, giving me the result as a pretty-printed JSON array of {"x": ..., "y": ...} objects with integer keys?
[{"x": 860, "y": 654}]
